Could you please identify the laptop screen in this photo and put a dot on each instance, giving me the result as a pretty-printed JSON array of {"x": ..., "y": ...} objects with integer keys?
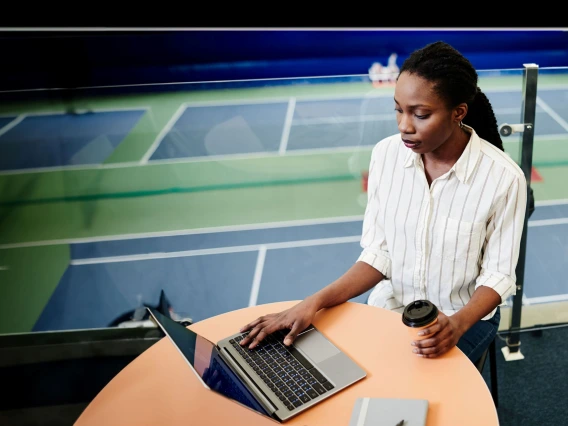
[{"x": 203, "y": 356}]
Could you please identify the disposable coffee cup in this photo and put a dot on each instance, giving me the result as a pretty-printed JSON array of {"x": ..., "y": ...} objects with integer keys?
[{"x": 418, "y": 315}]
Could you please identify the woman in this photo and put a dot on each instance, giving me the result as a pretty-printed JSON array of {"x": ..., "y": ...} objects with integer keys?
[{"x": 444, "y": 215}]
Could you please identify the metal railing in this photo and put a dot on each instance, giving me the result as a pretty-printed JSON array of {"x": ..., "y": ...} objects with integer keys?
[{"x": 528, "y": 113}]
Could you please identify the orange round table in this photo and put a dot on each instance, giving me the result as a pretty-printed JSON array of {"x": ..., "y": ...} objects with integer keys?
[{"x": 159, "y": 388}]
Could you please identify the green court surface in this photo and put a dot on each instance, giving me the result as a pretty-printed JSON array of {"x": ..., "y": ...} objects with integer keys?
[{"x": 41, "y": 212}]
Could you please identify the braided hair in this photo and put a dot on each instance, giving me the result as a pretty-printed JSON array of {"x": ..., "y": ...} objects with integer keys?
[{"x": 455, "y": 81}]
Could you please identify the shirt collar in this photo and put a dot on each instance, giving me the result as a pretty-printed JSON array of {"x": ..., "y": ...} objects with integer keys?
[
  {"x": 411, "y": 157},
  {"x": 465, "y": 166}
]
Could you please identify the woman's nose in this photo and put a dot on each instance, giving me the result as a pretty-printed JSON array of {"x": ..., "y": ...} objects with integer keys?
[{"x": 404, "y": 124}]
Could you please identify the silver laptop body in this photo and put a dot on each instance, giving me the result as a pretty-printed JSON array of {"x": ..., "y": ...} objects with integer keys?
[{"x": 276, "y": 381}]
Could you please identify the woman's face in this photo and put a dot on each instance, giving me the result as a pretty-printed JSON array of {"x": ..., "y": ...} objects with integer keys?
[{"x": 424, "y": 120}]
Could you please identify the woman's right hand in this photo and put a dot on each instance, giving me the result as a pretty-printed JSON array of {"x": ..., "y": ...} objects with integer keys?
[{"x": 296, "y": 319}]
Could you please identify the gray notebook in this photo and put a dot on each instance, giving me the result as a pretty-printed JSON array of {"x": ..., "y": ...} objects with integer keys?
[{"x": 389, "y": 412}]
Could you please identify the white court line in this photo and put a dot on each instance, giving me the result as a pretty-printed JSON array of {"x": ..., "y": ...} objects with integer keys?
[
  {"x": 194, "y": 231},
  {"x": 246, "y": 227},
  {"x": 219, "y": 250},
  {"x": 552, "y": 113},
  {"x": 252, "y": 155},
  {"x": 97, "y": 166},
  {"x": 251, "y": 247},
  {"x": 551, "y": 202},
  {"x": 379, "y": 117},
  {"x": 548, "y": 222},
  {"x": 12, "y": 124},
  {"x": 81, "y": 111},
  {"x": 169, "y": 125},
  {"x": 314, "y": 98},
  {"x": 187, "y": 160},
  {"x": 552, "y": 87},
  {"x": 233, "y": 102},
  {"x": 544, "y": 138},
  {"x": 321, "y": 78},
  {"x": 285, "y": 99},
  {"x": 189, "y": 83},
  {"x": 257, "y": 275},
  {"x": 344, "y": 119},
  {"x": 558, "y": 137},
  {"x": 287, "y": 126},
  {"x": 316, "y": 151},
  {"x": 546, "y": 299},
  {"x": 509, "y": 110},
  {"x": 244, "y": 156},
  {"x": 362, "y": 96}
]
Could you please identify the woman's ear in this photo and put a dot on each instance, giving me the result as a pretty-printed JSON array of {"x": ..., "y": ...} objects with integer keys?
[{"x": 460, "y": 112}]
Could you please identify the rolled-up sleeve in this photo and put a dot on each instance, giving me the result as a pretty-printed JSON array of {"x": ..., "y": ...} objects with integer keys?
[
  {"x": 373, "y": 241},
  {"x": 503, "y": 239}
]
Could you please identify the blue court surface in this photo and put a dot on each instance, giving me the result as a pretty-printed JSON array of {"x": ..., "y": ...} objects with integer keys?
[
  {"x": 5, "y": 121},
  {"x": 224, "y": 129},
  {"x": 211, "y": 271},
  {"x": 212, "y": 129},
  {"x": 54, "y": 140}
]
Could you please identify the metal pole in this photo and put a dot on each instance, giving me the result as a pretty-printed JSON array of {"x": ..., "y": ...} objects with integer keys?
[{"x": 528, "y": 113}]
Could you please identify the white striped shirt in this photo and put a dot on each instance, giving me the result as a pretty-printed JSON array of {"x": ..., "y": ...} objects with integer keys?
[{"x": 443, "y": 241}]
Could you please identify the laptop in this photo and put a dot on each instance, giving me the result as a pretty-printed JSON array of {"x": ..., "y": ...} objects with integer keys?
[{"x": 272, "y": 379}]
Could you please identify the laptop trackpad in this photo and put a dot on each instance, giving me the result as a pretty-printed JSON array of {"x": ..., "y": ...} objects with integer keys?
[{"x": 316, "y": 346}]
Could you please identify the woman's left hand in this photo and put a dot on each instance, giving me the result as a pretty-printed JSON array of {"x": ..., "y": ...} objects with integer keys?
[{"x": 446, "y": 331}]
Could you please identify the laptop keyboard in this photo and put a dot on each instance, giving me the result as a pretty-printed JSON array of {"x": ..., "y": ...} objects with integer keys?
[{"x": 292, "y": 378}]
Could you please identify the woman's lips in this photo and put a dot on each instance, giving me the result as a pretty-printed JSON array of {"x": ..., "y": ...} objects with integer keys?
[{"x": 410, "y": 144}]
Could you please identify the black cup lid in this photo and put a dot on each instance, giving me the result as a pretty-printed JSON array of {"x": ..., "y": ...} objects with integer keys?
[{"x": 419, "y": 313}]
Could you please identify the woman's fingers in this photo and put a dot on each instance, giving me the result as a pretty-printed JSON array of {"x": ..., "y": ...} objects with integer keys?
[
  {"x": 252, "y": 334},
  {"x": 294, "y": 331},
  {"x": 251, "y": 324}
]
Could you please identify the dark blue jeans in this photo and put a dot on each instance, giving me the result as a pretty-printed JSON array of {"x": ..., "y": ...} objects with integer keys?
[{"x": 479, "y": 337}]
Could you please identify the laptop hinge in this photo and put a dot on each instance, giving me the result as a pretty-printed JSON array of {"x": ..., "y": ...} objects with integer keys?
[{"x": 262, "y": 398}]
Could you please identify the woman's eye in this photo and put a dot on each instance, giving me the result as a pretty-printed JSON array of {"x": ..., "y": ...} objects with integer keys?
[{"x": 422, "y": 117}]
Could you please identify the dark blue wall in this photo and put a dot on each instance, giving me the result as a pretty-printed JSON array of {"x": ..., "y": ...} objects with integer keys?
[{"x": 72, "y": 59}]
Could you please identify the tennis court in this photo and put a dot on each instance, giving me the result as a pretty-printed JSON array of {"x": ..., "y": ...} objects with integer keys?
[{"x": 223, "y": 198}]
